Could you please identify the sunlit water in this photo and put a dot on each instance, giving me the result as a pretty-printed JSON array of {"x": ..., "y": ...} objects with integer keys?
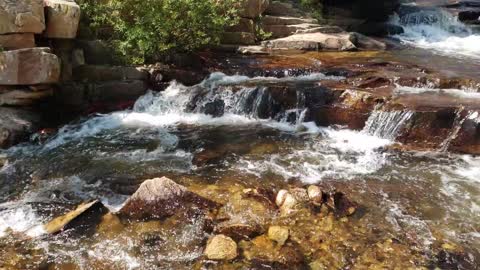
[{"x": 416, "y": 197}]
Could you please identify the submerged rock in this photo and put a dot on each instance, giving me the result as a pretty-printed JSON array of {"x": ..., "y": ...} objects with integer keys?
[
  {"x": 238, "y": 231},
  {"x": 221, "y": 247},
  {"x": 161, "y": 197},
  {"x": 265, "y": 252},
  {"x": 278, "y": 234},
  {"x": 82, "y": 218}
]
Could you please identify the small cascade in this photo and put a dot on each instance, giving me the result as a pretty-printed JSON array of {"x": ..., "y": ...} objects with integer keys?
[
  {"x": 438, "y": 30},
  {"x": 386, "y": 124},
  {"x": 460, "y": 118}
]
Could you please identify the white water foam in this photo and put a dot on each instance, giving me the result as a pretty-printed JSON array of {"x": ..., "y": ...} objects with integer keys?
[
  {"x": 440, "y": 32},
  {"x": 20, "y": 219},
  {"x": 342, "y": 154}
]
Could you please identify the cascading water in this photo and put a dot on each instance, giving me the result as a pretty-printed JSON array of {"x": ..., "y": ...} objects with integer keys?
[
  {"x": 438, "y": 30},
  {"x": 386, "y": 124}
]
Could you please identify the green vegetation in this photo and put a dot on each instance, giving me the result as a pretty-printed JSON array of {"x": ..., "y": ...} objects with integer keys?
[
  {"x": 314, "y": 7},
  {"x": 144, "y": 30}
]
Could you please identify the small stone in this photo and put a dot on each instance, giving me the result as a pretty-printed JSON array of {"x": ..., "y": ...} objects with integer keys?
[
  {"x": 221, "y": 247},
  {"x": 278, "y": 234},
  {"x": 315, "y": 194},
  {"x": 281, "y": 195}
]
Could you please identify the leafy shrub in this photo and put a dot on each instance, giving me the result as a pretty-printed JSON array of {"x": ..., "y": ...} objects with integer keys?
[
  {"x": 143, "y": 30},
  {"x": 314, "y": 7}
]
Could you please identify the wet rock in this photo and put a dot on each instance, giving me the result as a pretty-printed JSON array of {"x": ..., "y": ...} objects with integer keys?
[
  {"x": 341, "y": 205},
  {"x": 84, "y": 217},
  {"x": 63, "y": 17},
  {"x": 312, "y": 41},
  {"x": 159, "y": 198},
  {"x": 238, "y": 231},
  {"x": 367, "y": 43},
  {"x": 315, "y": 194},
  {"x": 379, "y": 29},
  {"x": 221, "y": 247},
  {"x": 286, "y": 202},
  {"x": 16, "y": 125},
  {"x": 110, "y": 225},
  {"x": 263, "y": 251},
  {"x": 278, "y": 234},
  {"x": 43, "y": 67},
  {"x": 214, "y": 108},
  {"x": 21, "y": 16},
  {"x": 17, "y": 41}
]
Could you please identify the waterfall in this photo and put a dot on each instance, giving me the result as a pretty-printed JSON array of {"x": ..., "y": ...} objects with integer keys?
[
  {"x": 437, "y": 30},
  {"x": 457, "y": 126},
  {"x": 386, "y": 124}
]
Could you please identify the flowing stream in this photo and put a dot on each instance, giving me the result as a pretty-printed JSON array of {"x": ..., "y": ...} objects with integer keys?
[{"x": 250, "y": 139}]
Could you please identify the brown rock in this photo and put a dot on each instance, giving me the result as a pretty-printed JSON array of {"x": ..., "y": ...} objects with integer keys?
[
  {"x": 17, "y": 41},
  {"x": 84, "y": 215},
  {"x": 29, "y": 67},
  {"x": 159, "y": 198},
  {"x": 21, "y": 16},
  {"x": 278, "y": 234},
  {"x": 238, "y": 231},
  {"x": 23, "y": 97},
  {"x": 62, "y": 18},
  {"x": 253, "y": 8},
  {"x": 244, "y": 25},
  {"x": 221, "y": 247}
]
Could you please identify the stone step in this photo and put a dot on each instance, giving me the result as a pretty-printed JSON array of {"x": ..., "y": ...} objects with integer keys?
[
  {"x": 284, "y": 20},
  {"x": 312, "y": 42},
  {"x": 278, "y": 31},
  {"x": 277, "y": 8},
  {"x": 326, "y": 29}
]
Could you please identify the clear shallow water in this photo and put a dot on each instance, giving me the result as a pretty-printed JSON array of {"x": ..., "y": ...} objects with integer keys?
[{"x": 423, "y": 199}]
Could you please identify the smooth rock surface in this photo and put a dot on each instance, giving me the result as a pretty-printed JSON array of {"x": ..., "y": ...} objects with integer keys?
[
  {"x": 253, "y": 8},
  {"x": 29, "y": 67},
  {"x": 160, "y": 197},
  {"x": 21, "y": 16},
  {"x": 63, "y": 18},
  {"x": 312, "y": 41},
  {"x": 23, "y": 97},
  {"x": 221, "y": 247},
  {"x": 17, "y": 41}
]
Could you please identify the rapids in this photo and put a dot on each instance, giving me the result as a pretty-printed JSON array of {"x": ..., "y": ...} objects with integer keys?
[{"x": 229, "y": 131}]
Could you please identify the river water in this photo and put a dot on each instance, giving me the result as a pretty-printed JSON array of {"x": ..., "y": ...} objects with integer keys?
[{"x": 226, "y": 133}]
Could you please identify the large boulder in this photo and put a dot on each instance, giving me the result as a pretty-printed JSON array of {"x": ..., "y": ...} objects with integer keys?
[
  {"x": 253, "y": 8},
  {"x": 29, "y": 67},
  {"x": 63, "y": 17},
  {"x": 17, "y": 41},
  {"x": 159, "y": 198},
  {"x": 312, "y": 41},
  {"x": 16, "y": 125},
  {"x": 97, "y": 73},
  {"x": 23, "y": 96},
  {"x": 21, "y": 16}
]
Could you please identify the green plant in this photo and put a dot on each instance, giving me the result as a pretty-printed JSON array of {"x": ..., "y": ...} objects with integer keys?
[
  {"x": 314, "y": 7},
  {"x": 144, "y": 30}
]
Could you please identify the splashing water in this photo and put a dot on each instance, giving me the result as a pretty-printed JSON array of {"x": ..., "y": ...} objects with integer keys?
[
  {"x": 440, "y": 31},
  {"x": 386, "y": 124}
]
